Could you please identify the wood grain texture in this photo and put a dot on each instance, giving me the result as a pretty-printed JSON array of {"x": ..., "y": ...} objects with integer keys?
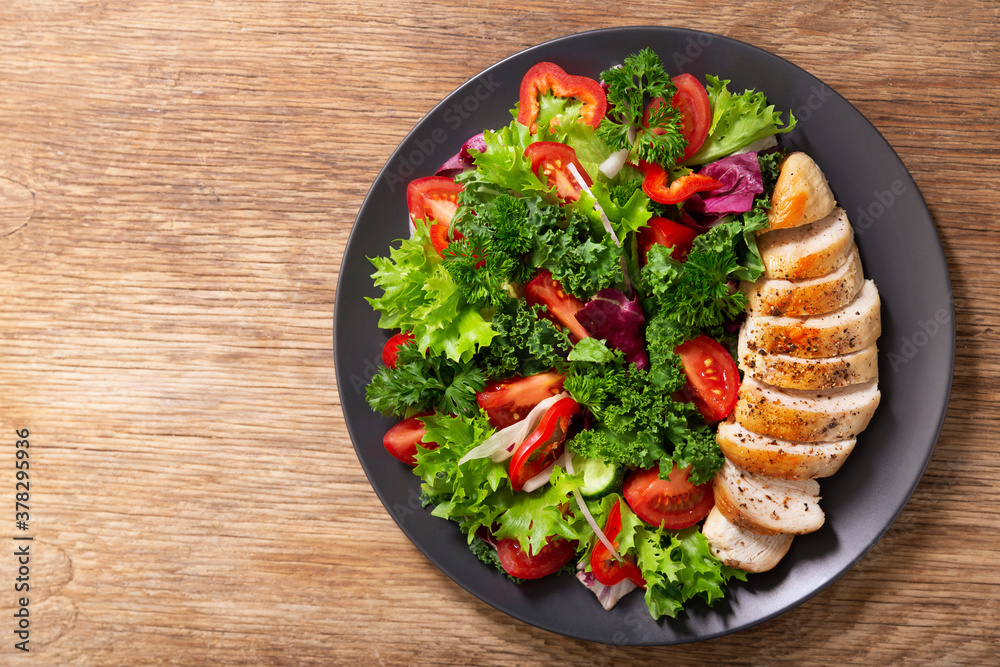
[{"x": 177, "y": 184}]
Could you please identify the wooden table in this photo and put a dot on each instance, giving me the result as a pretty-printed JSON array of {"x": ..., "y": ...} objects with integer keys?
[{"x": 177, "y": 184}]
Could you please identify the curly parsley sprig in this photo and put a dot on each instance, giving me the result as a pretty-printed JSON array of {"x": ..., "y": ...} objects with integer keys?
[{"x": 631, "y": 87}]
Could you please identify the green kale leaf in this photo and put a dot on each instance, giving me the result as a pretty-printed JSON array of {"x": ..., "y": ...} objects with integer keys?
[{"x": 425, "y": 384}]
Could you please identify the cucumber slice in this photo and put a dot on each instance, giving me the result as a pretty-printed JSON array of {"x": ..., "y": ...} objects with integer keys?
[{"x": 599, "y": 478}]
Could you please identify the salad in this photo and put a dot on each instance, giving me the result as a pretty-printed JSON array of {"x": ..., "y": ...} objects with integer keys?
[{"x": 565, "y": 314}]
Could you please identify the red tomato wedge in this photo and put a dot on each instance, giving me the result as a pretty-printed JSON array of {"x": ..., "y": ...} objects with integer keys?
[
  {"x": 509, "y": 401},
  {"x": 439, "y": 237},
  {"x": 661, "y": 231},
  {"x": 692, "y": 101},
  {"x": 712, "y": 376},
  {"x": 544, "y": 445},
  {"x": 673, "y": 503},
  {"x": 550, "y": 559},
  {"x": 654, "y": 184},
  {"x": 434, "y": 199},
  {"x": 549, "y": 78},
  {"x": 550, "y": 160},
  {"x": 606, "y": 568},
  {"x": 401, "y": 440},
  {"x": 391, "y": 349},
  {"x": 561, "y": 307}
]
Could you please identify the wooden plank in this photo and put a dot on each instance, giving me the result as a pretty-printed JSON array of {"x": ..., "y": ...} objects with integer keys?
[{"x": 178, "y": 182}]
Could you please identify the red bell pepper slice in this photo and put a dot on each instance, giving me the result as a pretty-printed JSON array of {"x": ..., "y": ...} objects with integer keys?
[
  {"x": 606, "y": 568},
  {"x": 549, "y": 78},
  {"x": 545, "y": 444},
  {"x": 656, "y": 188}
]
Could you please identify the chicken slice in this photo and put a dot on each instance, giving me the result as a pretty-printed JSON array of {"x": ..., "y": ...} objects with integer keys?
[
  {"x": 801, "y": 193},
  {"x": 774, "y": 457},
  {"x": 767, "y": 505},
  {"x": 738, "y": 547},
  {"x": 813, "y": 415},
  {"x": 848, "y": 329},
  {"x": 807, "y": 251},
  {"x": 776, "y": 297},
  {"x": 788, "y": 372}
]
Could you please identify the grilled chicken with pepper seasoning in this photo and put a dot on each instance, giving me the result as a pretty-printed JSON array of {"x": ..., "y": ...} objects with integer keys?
[
  {"x": 811, "y": 296},
  {"x": 807, "y": 251},
  {"x": 810, "y": 364},
  {"x": 775, "y": 457},
  {"x": 768, "y": 505},
  {"x": 854, "y": 327},
  {"x": 741, "y": 548}
]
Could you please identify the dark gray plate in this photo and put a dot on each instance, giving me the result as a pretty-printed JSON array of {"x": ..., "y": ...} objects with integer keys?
[{"x": 900, "y": 251}]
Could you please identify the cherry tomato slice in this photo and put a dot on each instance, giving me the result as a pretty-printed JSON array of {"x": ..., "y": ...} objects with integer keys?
[
  {"x": 692, "y": 101},
  {"x": 673, "y": 503},
  {"x": 550, "y": 160},
  {"x": 661, "y": 231},
  {"x": 434, "y": 199},
  {"x": 391, "y": 349},
  {"x": 509, "y": 401},
  {"x": 550, "y": 559},
  {"x": 561, "y": 307},
  {"x": 712, "y": 376},
  {"x": 606, "y": 568},
  {"x": 544, "y": 445},
  {"x": 549, "y": 78},
  {"x": 401, "y": 440}
]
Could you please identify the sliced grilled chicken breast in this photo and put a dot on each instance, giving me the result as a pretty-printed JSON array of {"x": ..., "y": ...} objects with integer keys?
[
  {"x": 813, "y": 296},
  {"x": 767, "y": 505},
  {"x": 807, "y": 251},
  {"x": 788, "y": 372},
  {"x": 801, "y": 193},
  {"x": 815, "y": 415},
  {"x": 775, "y": 457},
  {"x": 848, "y": 329},
  {"x": 738, "y": 547}
]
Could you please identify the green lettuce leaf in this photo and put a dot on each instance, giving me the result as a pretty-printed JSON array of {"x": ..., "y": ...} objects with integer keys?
[
  {"x": 474, "y": 494},
  {"x": 533, "y": 517},
  {"x": 420, "y": 296},
  {"x": 626, "y": 217},
  {"x": 477, "y": 493},
  {"x": 592, "y": 349},
  {"x": 679, "y": 566},
  {"x": 502, "y": 167},
  {"x": 737, "y": 121}
]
